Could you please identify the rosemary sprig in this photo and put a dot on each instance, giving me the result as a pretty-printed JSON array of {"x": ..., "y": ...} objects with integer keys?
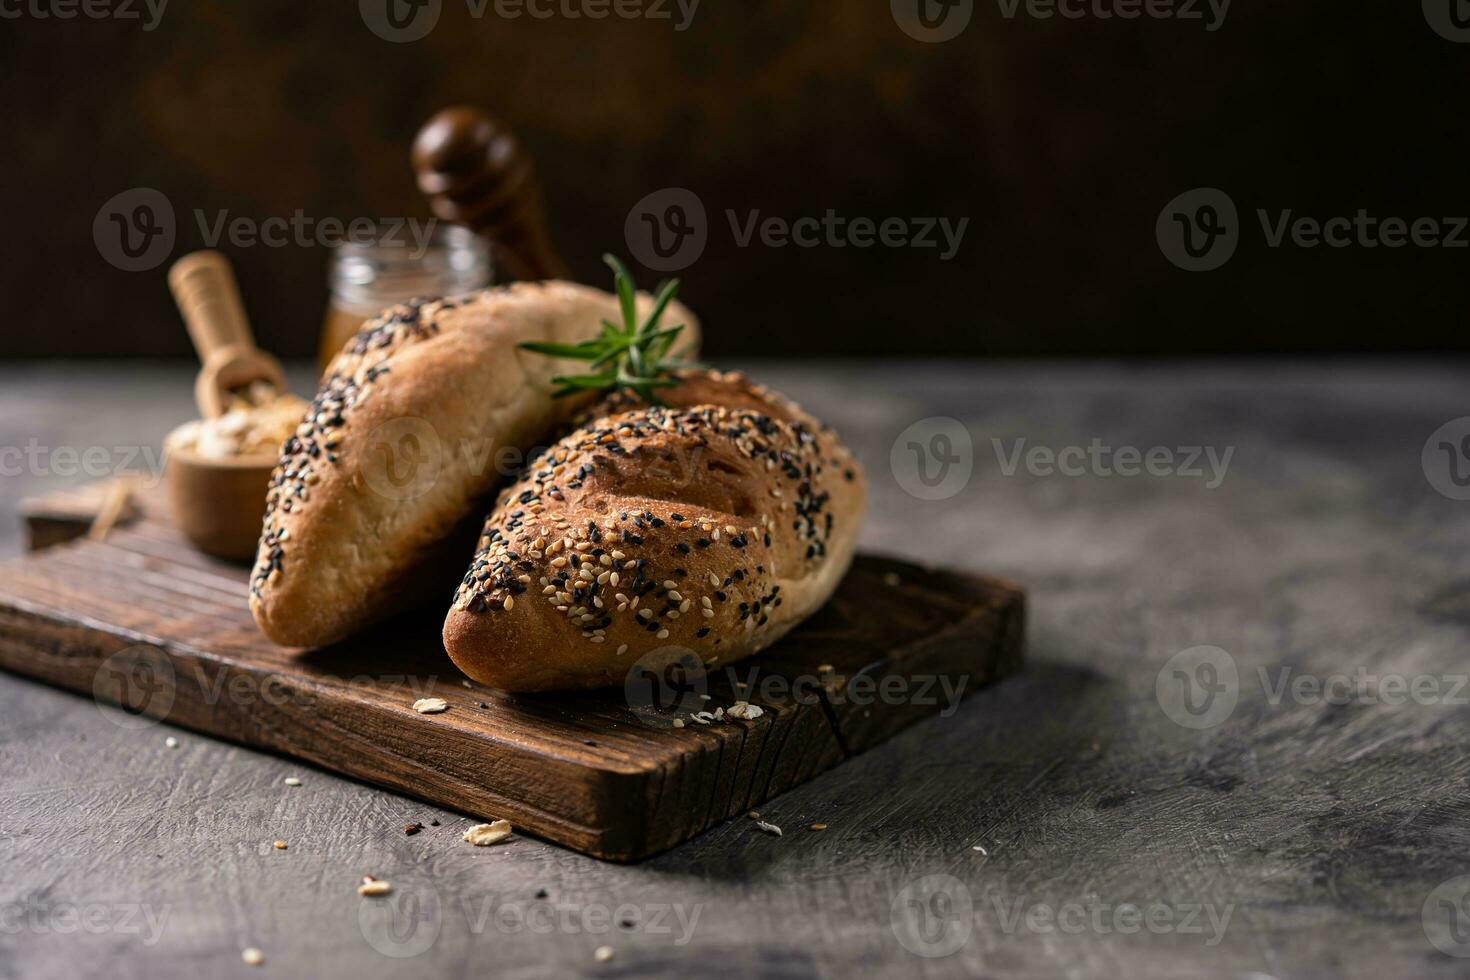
[{"x": 630, "y": 355}]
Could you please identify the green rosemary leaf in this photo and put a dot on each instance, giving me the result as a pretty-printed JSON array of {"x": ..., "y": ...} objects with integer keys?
[
  {"x": 585, "y": 351},
  {"x": 666, "y": 294},
  {"x": 627, "y": 297},
  {"x": 584, "y": 381},
  {"x": 634, "y": 355}
]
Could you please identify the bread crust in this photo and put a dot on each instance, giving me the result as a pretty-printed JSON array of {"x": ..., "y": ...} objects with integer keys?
[
  {"x": 716, "y": 525},
  {"x": 376, "y": 499}
]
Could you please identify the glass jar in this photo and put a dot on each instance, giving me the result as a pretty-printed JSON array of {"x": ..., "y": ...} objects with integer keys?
[{"x": 369, "y": 274}]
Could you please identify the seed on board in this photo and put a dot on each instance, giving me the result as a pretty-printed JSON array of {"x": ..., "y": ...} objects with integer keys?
[
  {"x": 817, "y": 826},
  {"x": 280, "y": 845},
  {"x": 412, "y": 828},
  {"x": 485, "y": 834},
  {"x": 252, "y": 956},
  {"x": 374, "y": 888},
  {"x": 769, "y": 828},
  {"x": 430, "y": 706},
  {"x": 291, "y": 781},
  {"x": 746, "y": 710},
  {"x": 171, "y": 742},
  {"x": 603, "y": 953}
]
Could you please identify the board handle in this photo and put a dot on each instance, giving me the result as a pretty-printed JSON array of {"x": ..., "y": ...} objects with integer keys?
[{"x": 208, "y": 297}]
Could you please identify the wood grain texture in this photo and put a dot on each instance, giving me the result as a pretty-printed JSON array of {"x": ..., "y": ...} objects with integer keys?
[
  {"x": 1323, "y": 829},
  {"x": 144, "y": 620}
]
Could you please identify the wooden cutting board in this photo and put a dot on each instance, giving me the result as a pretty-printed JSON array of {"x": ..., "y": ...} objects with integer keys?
[{"x": 143, "y": 620}]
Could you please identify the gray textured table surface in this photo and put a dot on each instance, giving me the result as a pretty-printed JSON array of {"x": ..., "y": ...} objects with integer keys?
[{"x": 1063, "y": 824}]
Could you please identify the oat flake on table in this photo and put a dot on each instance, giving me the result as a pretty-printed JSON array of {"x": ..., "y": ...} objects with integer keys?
[
  {"x": 485, "y": 834},
  {"x": 430, "y": 706}
]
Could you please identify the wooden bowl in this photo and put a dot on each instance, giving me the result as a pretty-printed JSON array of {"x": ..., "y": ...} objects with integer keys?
[{"x": 219, "y": 503}]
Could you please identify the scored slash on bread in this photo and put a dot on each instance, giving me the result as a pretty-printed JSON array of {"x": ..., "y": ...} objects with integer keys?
[
  {"x": 375, "y": 500},
  {"x": 715, "y": 523}
]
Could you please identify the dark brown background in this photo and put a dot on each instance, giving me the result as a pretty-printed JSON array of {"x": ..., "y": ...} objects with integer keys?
[{"x": 1059, "y": 140}]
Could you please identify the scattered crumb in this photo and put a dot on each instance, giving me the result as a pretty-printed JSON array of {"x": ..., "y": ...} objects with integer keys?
[
  {"x": 467, "y": 685},
  {"x": 704, "y": 697},
  {"x": 541, "y": 893},
  {"x": 890, "y": 578},
  {"x": 374, "y": 888},
  {"x": 754, "y": 814},
  {"x": 485, "y": 834},
  {"x": 430, "y": 706},
  {"x": 769, "y": 828},
  {"x": 252, "y": 956},
  {"x": 292, "y": 781},
  {"x": 678, "y": 722},
  {"x": 280, "y": 845},
  {"x": 412, "y": 828},
  {"x": 746, "y": 710},
  {"x": 433, "y": 823},
  {"x": 817, "y": 826},
  {"x": 825, "y": 669},
  {"x": 171, "y": 742},
  {"x": 602, "y": 954},
  {"x": 981, "y": 849},
  {"x": 484, "y": 705}
]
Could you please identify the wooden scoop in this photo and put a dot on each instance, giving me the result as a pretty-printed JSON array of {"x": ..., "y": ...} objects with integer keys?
[{"x": 219, "y": 502}]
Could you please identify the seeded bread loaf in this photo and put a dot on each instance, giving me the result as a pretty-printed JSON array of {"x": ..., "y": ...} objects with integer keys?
[
  {"x": 377, "y": 497},
  {"x": 715, "y": 524}
]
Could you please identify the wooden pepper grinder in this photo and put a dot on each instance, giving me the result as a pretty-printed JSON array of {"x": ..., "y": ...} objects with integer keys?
[{"x": 477, "y": 174}]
